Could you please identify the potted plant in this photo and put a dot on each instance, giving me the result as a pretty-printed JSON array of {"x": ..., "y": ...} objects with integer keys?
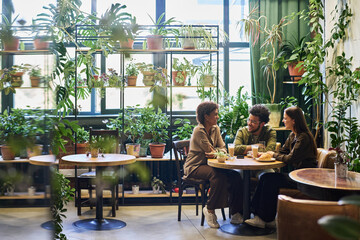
[
  {"x": 292, "y": 54},
  {"x": 82, "y": 140},
  {"x": 148, "y": 73},
  {"x": 42, "y": 42},
  {"x": 35, "y": 75},
  {"x": 8, "y": 181},
  {"x": 196, "y": 37},
  {"x": 9, "y": 41},
  {"x": 206, "y": 78},
  {"x": 158, "y": 32},
  {"x": 16, "y": 133},
  {"x": 220, "y": 156},
  {"x": 132, "y": 72},
  {"x": 125, "y": 32},
  {"x": 273, "y": 35},
  {"x": 158, "y": 122},
  {"x": 181, "y": 69},
  {"x": 156, "y": 185}
]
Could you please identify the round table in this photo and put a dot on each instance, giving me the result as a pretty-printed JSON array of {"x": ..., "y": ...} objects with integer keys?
[
  {"x": 321, "y": 183},
  {"x": 247, "y": 165},
  {"x": 107, "y": 160},
  {"x": 47, "y": 161}
]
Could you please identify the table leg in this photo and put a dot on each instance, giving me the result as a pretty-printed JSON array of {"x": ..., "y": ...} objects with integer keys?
[
  {"x": 244, "y": 229},
  {"x": 99, "y": 223}
]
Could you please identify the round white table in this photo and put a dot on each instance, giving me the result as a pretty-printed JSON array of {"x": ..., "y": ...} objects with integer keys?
[
  {"x": 246, "y": 164},
  {"x": 99, "y": 223}
]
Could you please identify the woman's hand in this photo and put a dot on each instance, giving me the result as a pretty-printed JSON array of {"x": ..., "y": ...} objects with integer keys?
[
  {"x": 210, "y": 154},
  {"x": 271, "y": 153}
]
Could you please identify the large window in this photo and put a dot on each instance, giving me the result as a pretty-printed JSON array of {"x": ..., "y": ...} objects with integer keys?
[{"x": 234, "y": 69}]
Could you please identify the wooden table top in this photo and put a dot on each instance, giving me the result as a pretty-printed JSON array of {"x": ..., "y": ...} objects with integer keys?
[
  {"x": 107, "y": 160},
  {"x": 325, "y": 178},
  {"x": 245, "y": 164},
  {"x": 43, "y": 160}
]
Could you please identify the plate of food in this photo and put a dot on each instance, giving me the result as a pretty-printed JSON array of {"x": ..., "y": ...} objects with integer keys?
[{"x": 265, "y": 158}]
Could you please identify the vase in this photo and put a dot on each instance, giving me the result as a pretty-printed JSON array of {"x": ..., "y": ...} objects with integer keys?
[
  {"x": 341, "y": 170},
  {"x": 156, "y": 189}
]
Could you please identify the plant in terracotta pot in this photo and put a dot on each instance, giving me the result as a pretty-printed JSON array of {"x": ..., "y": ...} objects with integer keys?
[
  {"x": 7, "y": 34},
  {"x": 158, "y": 32},
  {"x": 35, "y": 75},
  {"x": 292, "y": 55},
  {"x": 82, "y": 140},
  {"x": 158, "y": 122},
  {"x": 197, "y": 37},
  {"x": 125, "y": 32},
  {"x": 180, "y": 71},
  {"x": 132, "y": 72}
]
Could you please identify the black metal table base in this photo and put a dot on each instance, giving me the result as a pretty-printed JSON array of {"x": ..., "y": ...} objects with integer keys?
[
  {"x": 49, "y": 225},
  {"x": 95, "y": 224},
  {"x": 246, "y": 230}
]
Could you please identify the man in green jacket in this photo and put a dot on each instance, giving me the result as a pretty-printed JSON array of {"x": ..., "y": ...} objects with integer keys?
[{"x": 255, "y": 132}]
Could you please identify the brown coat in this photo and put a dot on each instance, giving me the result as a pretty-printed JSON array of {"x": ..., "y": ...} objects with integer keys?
[{"x": 200, "y": 143}]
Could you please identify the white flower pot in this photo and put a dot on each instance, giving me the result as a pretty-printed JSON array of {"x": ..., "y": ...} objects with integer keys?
[{"x": 156, "y": 189}]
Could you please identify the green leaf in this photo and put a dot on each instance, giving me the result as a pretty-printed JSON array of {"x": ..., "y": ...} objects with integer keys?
[{"x": 341, "y": 227}]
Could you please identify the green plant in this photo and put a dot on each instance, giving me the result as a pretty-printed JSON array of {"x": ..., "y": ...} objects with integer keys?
[
  {"x": 7, "y": 32},
  {"x": 16, "y": 130},
  {"x": 234, "y": 113},
  {"x": 82, "y": 136},
  {"x": 157, "y": 183},
  {"x": 293, "y": 51},
  {"x": 342, "y": 227},
  {"x": 125, "y": 30},
  {"x": 111, "y": 79},
  {"x": 158, "y": 122},
  {"x": 132, "y": 69},
  {"x": 273, "y": 35},
  {"x": 181, "y": 68},
  {"x": 61, "y": 195},
  {"x": 184, "y": 129},
  {"x": 220, "y": 154},
  {"x": 144, "y": 67},
  {"x": 200, "y": 37},
  {"x": 105, "y": 144},
  {"x": 35, "y": 71},
  {"x": 8, "y": 179},
  {"x": 160, "y": 28}
]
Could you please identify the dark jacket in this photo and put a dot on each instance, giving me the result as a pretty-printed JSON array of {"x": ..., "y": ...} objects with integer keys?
[{"x": 298, "y": 151}]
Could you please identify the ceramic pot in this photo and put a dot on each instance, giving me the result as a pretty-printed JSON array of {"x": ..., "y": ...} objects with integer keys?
[
  {"x": 35, "y": 81},
  {"x": 154, "y": 42},
  {"x": 12, "y": 45},
  {"x": 293, "y": 71},
  {"x": 157, "y": 150},
  {"x": 175, "y": 74},
  {"x": 7, "y": 153},
  {"x": 129, "y": 44},
  {"x": 131, "y": 80},
  {"x": 148, "y": 78},
  {"x": 133, "y": 149},
  {"x": 208, "y": 80},
  {"x": 156, "y": 189},
  {"x": 94, "y": 152},
  {"x": 39, "y": 44}
]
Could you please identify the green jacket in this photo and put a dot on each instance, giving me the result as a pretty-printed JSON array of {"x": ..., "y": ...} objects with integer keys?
[{"x": 244, "y": 137}]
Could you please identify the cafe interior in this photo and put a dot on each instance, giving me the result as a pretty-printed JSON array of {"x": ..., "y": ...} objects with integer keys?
[{"x": 99, "y": 117}]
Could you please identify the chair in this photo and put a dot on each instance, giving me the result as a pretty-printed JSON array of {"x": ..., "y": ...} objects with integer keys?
[
  {"x": 325, "y": 159},
  {"x": 85, "y": 180},
  {"x": 297, "y": 218},
  {"x": 181, "y": 148}
]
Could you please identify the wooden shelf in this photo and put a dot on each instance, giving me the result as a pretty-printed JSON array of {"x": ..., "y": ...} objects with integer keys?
[
  {"x": 129, "y": 194},
  {"x": 24, "y": 195}
]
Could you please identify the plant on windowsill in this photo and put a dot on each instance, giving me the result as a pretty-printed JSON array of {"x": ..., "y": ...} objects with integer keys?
[
  {"x": 156, "y": 185},
  {"x": 157, "y": 127},
  {"x": 7, "y": 33}
]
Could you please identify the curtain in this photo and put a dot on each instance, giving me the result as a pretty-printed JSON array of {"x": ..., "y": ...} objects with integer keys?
[{"x": 274, "y": 10}]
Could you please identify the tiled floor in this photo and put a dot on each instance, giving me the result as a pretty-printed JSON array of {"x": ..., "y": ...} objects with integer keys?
[{"x": 143, "y": 222}]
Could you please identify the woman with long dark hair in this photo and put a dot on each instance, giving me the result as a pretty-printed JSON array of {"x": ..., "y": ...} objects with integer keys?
[{"x": 299, "y": 151}]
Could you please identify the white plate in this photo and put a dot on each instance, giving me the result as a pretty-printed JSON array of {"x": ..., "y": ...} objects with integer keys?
[{"x": 260, "y": 160}]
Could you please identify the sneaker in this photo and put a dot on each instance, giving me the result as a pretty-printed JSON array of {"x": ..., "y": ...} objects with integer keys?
[
  {"x": 236, "y": 218},
  {"x": 271, "y": 224},
  {"x": 210, "y": 218},
  {"x": 256, "y": 222}
]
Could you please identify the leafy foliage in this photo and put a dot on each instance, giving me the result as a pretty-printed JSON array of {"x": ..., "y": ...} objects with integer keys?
[{"x": 184, "y": 129}]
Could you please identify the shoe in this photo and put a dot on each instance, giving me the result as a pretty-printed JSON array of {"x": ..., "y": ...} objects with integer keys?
[
  {"x": 236, "y": 218},
  {"x": 256, "y": 222},
  {"x": 210, "y": 218},
  {"x": 271, "y": 224}
]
